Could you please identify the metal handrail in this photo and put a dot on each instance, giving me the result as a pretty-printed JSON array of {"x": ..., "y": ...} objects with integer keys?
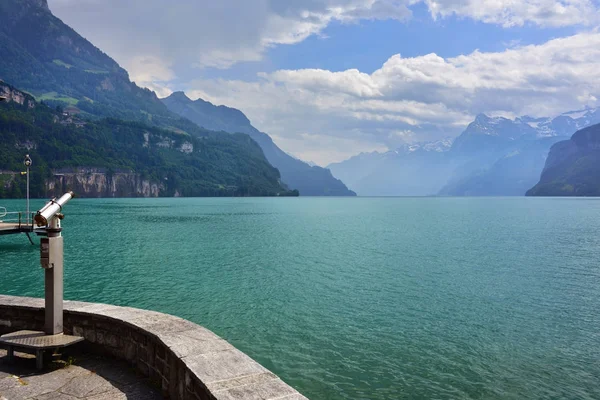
[
  {"x": 16, "y": 217},
  {"x": 2, "y": 212},
  {"x": 12, "y": 216}
]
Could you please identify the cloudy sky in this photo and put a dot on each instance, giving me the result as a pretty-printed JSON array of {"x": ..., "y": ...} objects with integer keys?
[{"x": 328, "y": 79}]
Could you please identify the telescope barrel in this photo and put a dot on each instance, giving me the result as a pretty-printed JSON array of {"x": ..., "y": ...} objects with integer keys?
[{"x": 50, "y": 210}]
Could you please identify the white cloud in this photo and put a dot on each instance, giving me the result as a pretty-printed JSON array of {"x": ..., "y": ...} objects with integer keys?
[
  {"x": 421, "y": 98},
  {"x": 153, "y": 73},
  {"x": 207, "y": 33},
  {"x": 519, "y": 12},
  {"x": 322, "y": 149},
  {"x": 429, "y": 96}
]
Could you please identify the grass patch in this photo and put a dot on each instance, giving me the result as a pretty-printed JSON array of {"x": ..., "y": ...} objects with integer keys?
[
  {"x": 176, "y": 130},
  {"x": 56, "y": 97},
  {"x": 62, "y": 63},
  {"x": 97, "y": 71}
]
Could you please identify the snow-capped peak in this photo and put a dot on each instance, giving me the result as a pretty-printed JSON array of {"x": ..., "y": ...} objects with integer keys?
[{"x": 439, "y": 146}]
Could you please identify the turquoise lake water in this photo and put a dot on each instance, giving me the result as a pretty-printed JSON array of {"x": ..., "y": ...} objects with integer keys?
[{"x": 359, "y": 298}]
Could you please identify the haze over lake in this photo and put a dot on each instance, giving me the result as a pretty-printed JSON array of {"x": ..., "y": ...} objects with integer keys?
[{"x": 355, "y": 298}]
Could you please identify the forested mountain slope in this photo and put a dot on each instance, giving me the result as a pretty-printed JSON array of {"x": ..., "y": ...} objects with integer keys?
[
  {"x": 175, "y": 164},
  {"x": 309, "y": 180}
]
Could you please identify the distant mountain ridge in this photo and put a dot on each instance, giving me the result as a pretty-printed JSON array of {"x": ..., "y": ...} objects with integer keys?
[
  {"x": 308, "y": 180},
  {"x": 564, "y": 124},
  {"x": 416, "y": 169},
  {"x": 507, "y": 156},
  {"x": 572, "y": 167},
  {"x": 494, "y": 156}
]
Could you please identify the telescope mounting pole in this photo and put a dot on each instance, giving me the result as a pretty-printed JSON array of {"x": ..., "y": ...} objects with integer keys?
[
  {"x": 53, "y": 246},
  {"x": 28, "y": 163},
  {"x": 28, "y": 215},
  {"x": 52, "y": 260}
]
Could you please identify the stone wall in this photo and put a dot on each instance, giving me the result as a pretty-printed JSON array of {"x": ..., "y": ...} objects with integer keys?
[{"x": 185, "y": 359}]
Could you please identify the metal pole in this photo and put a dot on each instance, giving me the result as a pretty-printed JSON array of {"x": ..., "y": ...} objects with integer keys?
[
  {"x": 52, "y": 260},
  {"x": 28, "y": 196},
  {"x": 53, "y": 248},
  {"x": 27, "y": 163}
]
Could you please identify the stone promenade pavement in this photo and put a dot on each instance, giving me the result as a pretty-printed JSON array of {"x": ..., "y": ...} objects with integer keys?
[{"x": 89, "y": 377}]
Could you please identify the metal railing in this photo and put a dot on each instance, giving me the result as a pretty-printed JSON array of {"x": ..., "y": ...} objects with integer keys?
[{"x": 22, "y": 219}]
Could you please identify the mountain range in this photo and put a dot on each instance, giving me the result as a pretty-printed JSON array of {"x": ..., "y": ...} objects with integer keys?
[
  {"x": 412, "y": 170},
  {"x": 494, "y": 156},
  {"x": 67, "y": 75},
  {"x": 308, "y": 180},
  {"x": 47, "y": 59}
]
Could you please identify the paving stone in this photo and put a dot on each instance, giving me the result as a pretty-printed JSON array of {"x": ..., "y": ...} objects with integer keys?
[
  {"x": 21, "y": 301},
  {"x": 119, "y": 313},
  {"x": 183, "y": 346},
  {"x": 139, "y": 391},
  {"x": 223, "y": 365},
  {"x": 74, "y": 305},
  {"x": 124, "y": 375},
  {"x": 92, "y": 377},
  {"x": 86, "y": 385},
  {"x": 8, "y": 383},
  {"x": 242, "y": 381},
  {"x": 296, "y": 396},
  {"x": 200, "y": 333},
  {"x": 55, "y": 396},
  {"x": 114, "y": 394},
  {"x": 157, "y": 323},
  {"x": 24, "y": 381},
  {"x": 269, "y": 390},
  {"x": 90, "y": 308},
  {"x": 27, "y": 392}
]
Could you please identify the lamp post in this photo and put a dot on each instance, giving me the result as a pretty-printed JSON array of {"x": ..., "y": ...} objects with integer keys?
[{"x": 27, "y": 163}]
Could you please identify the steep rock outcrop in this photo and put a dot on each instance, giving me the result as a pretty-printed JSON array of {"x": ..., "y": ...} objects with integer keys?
[
  {"x": 95, "y": 183},
  {"x": 572, "y": 167},
  {"x": 10, "y": 94},
  {"x": 91, "y": 183}
]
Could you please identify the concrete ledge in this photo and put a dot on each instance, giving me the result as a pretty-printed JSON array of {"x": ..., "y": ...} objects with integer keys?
[{"x": 185, "y": 359}]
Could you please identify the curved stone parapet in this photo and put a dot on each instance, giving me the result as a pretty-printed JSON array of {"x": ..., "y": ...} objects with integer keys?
[{"x": 186, "y": 360}]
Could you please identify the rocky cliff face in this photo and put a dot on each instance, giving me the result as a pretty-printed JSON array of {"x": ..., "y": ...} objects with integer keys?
[
  {"x": 94, "y": 183},
  {"x": 11, "y": 94}
]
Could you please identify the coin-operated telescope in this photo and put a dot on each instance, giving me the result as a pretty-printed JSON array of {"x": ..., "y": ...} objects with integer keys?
[
  {"x": 52, "y": 210},
  {"x": 52, "y": 259}
]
